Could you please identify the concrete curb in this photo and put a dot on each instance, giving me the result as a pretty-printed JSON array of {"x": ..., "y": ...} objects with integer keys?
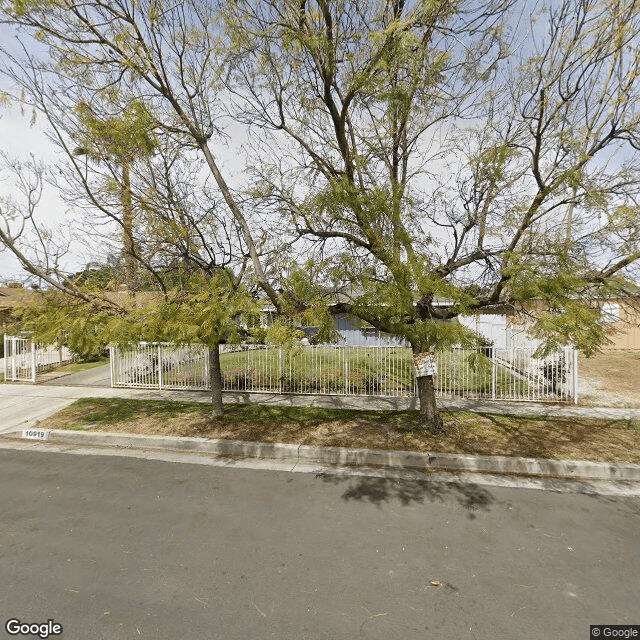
[{"x": 342, "y": 456}]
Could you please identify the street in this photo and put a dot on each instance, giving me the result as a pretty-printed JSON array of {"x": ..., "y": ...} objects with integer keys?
[{"x": 121, "y": 548}]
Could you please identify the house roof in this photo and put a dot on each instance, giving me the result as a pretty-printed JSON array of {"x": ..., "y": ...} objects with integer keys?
[{"x": 11, "y": 297}]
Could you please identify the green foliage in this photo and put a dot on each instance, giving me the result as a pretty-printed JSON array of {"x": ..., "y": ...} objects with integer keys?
[
  {"x": 438, "y": 334},
  {"x": 123, "y": 138},
  {"x": 205, "y": 311},
  {"x": 283, "y": 333},
  {"x": 562, "y": 305},
  {"x": 493, "y": 163},
  {"x": 554, "y": 284},
  {"x": 574, "y": 323}
]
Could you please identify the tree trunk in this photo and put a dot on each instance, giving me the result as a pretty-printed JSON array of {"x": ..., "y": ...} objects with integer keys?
[
  {"x": 215, "y": 381},
  {"x": 129, "y": 248},
  {"x": 430, "y": 418}
]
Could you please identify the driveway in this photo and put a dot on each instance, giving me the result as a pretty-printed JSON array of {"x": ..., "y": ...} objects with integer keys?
[
  {"x": 119, "y": 548},
  {"x": 96, "y": 377}
]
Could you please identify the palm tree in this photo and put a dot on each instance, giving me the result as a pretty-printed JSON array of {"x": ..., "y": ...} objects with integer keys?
[{"x": 120, "y": 140}]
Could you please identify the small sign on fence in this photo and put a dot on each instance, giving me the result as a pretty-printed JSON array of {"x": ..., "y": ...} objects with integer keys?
[{"x": 426, "y": 364}]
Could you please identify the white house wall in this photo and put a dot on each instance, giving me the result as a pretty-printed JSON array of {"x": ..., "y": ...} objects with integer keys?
[
  {"x": 490, "y": 326},
  {"x": 355, "y": 336}
]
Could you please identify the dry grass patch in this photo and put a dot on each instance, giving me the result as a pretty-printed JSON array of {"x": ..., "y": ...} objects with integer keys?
[
  {"x": 611, "y": 378},
  {"x": 467, "y": 433}
]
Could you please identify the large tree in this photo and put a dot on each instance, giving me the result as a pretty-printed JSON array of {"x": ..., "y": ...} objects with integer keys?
[
  {"x": 433, "y": 158},
  {"x": 116, "y": 82},
  {"x": 170, "y": 56},
  {"x": 121, "y": 139},
  {"x": 450, "y": 158},
  {"x": 190, "y": 285}
]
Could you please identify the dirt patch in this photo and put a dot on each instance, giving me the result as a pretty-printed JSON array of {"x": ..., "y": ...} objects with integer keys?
[
  {"x": 610, "y": 379},
  {"x": 465, "y": 433}
]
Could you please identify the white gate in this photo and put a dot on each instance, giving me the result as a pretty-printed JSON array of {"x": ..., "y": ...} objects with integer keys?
[
  {"x": 19, "y": 359},
  {"x": 24, "y": 359}
]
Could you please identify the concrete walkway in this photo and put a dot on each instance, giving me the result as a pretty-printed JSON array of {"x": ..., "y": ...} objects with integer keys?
[
  {"x": 96, "y": 377},
  {"x": 23, "y": 405}
]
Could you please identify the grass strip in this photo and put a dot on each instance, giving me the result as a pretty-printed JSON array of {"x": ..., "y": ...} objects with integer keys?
[{"x": 466, "y": 433}]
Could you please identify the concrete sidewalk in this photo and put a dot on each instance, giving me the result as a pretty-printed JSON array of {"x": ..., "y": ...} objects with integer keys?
[{"x": 23, "y": 405}]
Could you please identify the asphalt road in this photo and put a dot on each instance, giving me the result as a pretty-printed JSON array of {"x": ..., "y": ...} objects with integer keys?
[{"x": 120, "y": 548}]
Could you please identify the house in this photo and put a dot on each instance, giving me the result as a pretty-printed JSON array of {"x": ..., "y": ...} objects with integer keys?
[
  {"x": 11, "y": 297},
  {"x": 621, "y": 315},
  {"x": 357, "y": 333},
  {"x": 508, "y": 331}
]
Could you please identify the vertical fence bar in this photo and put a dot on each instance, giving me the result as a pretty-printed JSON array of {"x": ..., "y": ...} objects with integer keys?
[
  {"x": 33, "y": 362},
  {"x": 160, "y": 367},
  {"x": 346, "y": 371},
  {"x": 494, "y": 374},
  {"x": 575, "y": 375}
]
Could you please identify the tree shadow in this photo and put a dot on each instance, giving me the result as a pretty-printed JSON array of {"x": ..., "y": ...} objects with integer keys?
[{"x": 377, "y": 490}]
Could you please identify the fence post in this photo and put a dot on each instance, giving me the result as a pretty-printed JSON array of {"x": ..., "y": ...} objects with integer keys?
[
  {"x": 575, "y": 375},
  {"x": 207, "y": 380},
  {"x": 111, "y": 363},
  {"x": 160, "y": 366},
  {"x": 280, "y": 371},
  {"x": 346, "y": 371},
  {"x": 494, "y": 375},
  {"x": 33, "y": 362},
  {"x": 13, "y": 344},
  {"x": 5, "y": 355}
]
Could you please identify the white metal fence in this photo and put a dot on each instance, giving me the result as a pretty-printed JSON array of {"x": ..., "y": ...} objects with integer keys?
[
  {"x": 24, "y": 359},
  {"x": 499, "y": 374},
  {"x": 160, "y": 366}
]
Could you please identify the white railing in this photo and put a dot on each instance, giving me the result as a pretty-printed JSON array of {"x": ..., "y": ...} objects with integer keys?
[
  {"x": 498, "y": 374},
  {"x": 509, "y": 374},
  {"x": 24, "y": 359},
  {"x": 160, "y": 366}
]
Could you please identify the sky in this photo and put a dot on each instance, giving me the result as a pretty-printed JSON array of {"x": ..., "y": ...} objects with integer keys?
[{"x": 18, "y": 139}]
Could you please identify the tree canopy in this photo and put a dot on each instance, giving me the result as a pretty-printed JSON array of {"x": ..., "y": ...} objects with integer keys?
[{"x": 409, "y": 161}]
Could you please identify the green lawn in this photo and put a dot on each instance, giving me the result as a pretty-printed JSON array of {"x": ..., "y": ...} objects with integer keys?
[
  {"x": 75, "y": 367},
  {"x": 342, "y": 370},
  {"x": 320, "y": 370},
  {"x": 360, "y": 371}
]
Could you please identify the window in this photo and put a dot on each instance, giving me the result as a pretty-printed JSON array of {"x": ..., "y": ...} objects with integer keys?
[{"x": 610, "y": 312}]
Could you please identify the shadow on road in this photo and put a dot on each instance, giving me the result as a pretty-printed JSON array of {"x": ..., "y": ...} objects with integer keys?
[{"x": 377, "y": 490}]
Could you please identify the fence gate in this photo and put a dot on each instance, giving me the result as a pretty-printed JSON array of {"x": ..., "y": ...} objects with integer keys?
[
  {"x": 24, "y": 359},
  {"x": 19, "y": 359}
]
